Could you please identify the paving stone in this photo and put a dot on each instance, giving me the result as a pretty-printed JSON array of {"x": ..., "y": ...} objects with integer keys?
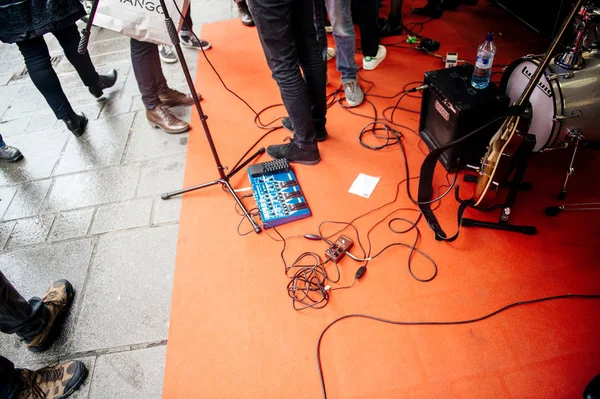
[
  {"x": 147, "y": 142},
  {"x": 41, "y": 151},
  {"x": 160, "y": 175},
  {"x": 101, "y": 146},
  {"x": 13, "y": 127},
  {"x": 5, "y": 78},
  {"x": 6, "y": 196},
  {"x": 5, "y": 229},
  {"x": 116, "y": 105},
  {"x": 111, "y": 58},
  {"x": 31, "y": 270},
  {"x": 166, "y": 210},
  {"x": 31, "y": 231},
  {"x": 137, "y": 374},
  {"x": 92, "y": 188},
  {"x": 107, "y": 46},
  {"x": 72, "y": 224},
  {"x": 122, "y": 215},
  {"x": 28, "y": 200},
  {"x": 129, "y": 290},
  {"x": 7, "y": 94},
  {"x": 214, "y": 10}
]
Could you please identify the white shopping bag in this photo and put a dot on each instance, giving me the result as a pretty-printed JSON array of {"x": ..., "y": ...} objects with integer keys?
[{"x": 143, "y": 20}]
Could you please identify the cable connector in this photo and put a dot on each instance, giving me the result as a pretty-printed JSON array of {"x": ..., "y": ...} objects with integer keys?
[
  {"x": 360, "y": 272},
  {"x": 419, "y": 88}
]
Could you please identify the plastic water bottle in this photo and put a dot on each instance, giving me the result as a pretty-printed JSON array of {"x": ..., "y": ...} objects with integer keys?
[{"x": 483, "y": 66}]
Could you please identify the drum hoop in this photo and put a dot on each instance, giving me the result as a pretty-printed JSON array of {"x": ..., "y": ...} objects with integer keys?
[{"x": 556, "y": 89}]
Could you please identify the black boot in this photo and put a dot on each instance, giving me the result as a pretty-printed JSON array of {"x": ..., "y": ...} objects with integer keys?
[
  {"x": 391, "y": 27},
  {"x": 294, "y": 152},
  {"x": 433, "y": 9},
  {"x": 104, "y": 82},
  {"x": 76, "y": 123},
  {"x": 10, "y": 154},
  {"x": 245, "y": 15}
]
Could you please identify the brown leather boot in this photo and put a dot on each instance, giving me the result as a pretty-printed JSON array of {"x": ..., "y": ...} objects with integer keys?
[
  {"x": 173, "y": 98},
  {"x": 160, "y": 117},
  {"x": 57, "y": 300},
  {"x": 57, "y": 382}
]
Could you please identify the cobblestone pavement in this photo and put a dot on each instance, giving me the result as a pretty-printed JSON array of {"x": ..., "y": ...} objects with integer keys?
[{"x": 88, "y": 210}]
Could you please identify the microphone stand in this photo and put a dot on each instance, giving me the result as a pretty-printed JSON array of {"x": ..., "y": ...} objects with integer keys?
[
  {"x": 224, "y": 178},
  {"x": 85, "y": 33}
]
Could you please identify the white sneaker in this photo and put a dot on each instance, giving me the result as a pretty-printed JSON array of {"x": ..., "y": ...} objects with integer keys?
[
  {"x": 166, "y": 54},
  {"x": 370, "y": 63},
  {"x": 330, "y": 53}
]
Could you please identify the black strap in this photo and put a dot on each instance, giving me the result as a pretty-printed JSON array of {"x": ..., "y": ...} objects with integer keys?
[{"x": 426, "y": 177}]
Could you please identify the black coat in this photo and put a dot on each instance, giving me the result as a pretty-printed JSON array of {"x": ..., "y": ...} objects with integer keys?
[{"x": 26, "y": 19}]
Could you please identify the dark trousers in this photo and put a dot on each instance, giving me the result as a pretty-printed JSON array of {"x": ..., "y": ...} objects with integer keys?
[
  {"x": 366, "y": 13},
  {"x": 17, "y": 316},
  {"x": 2, "y": 143},
  {"x": 148, "y": 72},
  {"x": 187, "y": 21},
  {"x": 288, "y": 37},
  {"x": 37, "y": 59}
]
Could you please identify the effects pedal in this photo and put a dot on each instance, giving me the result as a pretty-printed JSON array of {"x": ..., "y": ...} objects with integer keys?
[
  {"x": 338, "y": 249},
  {"x": 277, "y": 193}
]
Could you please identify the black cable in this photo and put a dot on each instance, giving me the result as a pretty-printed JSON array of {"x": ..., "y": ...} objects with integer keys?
[{"x": 439, "y": 323}]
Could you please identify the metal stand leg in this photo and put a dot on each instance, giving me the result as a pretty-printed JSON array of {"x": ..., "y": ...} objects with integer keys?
[
  {"x": 577, "y": 137},
  {"x": 224, "y": 178},
  {"x": 516, "y": 184}
]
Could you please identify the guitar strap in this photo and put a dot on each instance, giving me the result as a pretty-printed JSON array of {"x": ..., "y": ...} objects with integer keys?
[{"x": 426, "y": 179}]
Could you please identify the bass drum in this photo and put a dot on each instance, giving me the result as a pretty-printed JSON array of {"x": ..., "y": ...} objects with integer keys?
[{"x": 563, "y": 100}]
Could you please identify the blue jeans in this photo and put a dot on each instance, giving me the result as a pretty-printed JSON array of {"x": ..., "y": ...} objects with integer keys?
[
  {"x": 287, "y": 33},
  {"x": 340, "y": 16}
]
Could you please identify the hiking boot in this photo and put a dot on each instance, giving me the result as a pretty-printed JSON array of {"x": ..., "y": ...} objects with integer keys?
[
  {"x": 166, "y": 54},
  {"x": 104, "y": 82},
  {"x": 56, "y": 382},
  {"x": 57, "y": 300},
  {"x": 286, "y": 122},
  {"x": 172, "y": 98},
  {"x": 10, "y": 154},
  {"x": 370, "y": 63},
  {"x": 299, "y": 153},
  {"x": 76, "y": 123},
  {"x": 161, "y": 118},
  {"x": 354, "y": 94}
]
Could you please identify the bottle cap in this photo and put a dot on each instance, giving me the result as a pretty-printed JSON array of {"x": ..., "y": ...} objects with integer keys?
[{"x": 490, "y": 37}]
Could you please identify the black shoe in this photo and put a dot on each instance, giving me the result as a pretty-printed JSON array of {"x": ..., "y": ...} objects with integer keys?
[
  {"x": 390, "y": 28},
  {"x": 286, "y": 122},
  {"x": 104, "y": 82},
  {"x": 245, "y": 15},
  {"x": 10, "y": 154},
  {"x": 434, "y": 11},
  {"x": 308, "y": 155},
  {"x": 76, "y": 123},
  {"x": 592, "y": 391}
]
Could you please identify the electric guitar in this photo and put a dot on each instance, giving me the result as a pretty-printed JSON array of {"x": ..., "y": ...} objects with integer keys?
[{"x": 496, "y": 163}]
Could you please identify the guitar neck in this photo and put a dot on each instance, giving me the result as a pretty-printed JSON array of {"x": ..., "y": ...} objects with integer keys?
[{"x": 524, "y": 99}]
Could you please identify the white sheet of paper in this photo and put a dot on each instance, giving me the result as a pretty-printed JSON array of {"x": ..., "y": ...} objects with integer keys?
[{"x": 364, "y": 185}]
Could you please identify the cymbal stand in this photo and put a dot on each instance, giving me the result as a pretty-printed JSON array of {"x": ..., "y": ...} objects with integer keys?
[{"x": 576, "y": 137}]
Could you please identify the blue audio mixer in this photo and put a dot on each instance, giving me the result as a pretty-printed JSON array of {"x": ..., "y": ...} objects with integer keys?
[{"x": 277, "y": 193}]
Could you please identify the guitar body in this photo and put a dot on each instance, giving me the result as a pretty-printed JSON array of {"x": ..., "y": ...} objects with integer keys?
[{"x": 497, "y": 162}]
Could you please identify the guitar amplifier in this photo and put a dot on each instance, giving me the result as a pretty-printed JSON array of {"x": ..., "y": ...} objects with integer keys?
[{"x": 451, "y": 108}]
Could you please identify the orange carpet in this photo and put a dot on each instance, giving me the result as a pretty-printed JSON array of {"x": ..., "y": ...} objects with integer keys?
[{"x": 233, "y": 332}]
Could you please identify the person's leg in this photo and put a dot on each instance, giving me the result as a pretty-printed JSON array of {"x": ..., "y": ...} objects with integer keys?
[
  {"x": 340, "y": 15},
  {"x": 17, "y": 316},
  {"x": 187, "y": 37},
  {"x": 311, "y": 59},
  {"x": 244, "y": 12},
  {"x": 319, "y": 21},
  {"x": 188, "y": 24},
  {"x": 144, "y": 60},
  {"x": 37, "y": 60},
  {"x": 69, "y": 40},
  {"x": 9, "y": 379},
  {"x": 274, "y": 23},
  {"x": 393, "y": 25},
  {"x": 368, "y": 19}
]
